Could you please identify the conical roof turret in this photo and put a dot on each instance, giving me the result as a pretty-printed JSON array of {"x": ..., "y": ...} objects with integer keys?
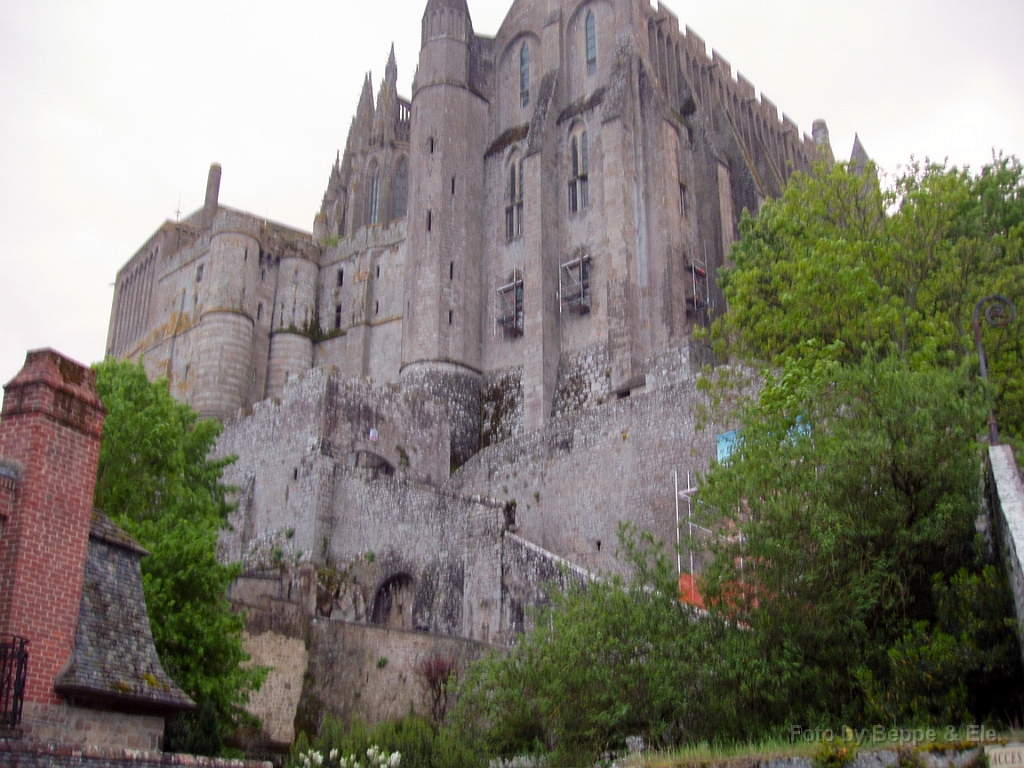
[
  {"x": 447, "y": 19},
  {"x": 451, "y": 5}
]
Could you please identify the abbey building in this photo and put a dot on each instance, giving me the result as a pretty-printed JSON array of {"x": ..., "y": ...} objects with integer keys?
[{"x": 479, "y": 360}]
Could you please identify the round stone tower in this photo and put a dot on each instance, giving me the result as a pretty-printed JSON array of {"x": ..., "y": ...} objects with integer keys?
[
  {"x": 295, "y": 322},
  {"x": 226, "y": 278},
  {"x": 443, "y": 321}
]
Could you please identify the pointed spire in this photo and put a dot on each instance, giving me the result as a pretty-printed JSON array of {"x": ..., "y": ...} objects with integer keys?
[
  {"x": 387, "y": 102},
  {"x": 391, "y": 70},
  {"x": 859, "y": 156},
  {"x": 365, "y": 108}
]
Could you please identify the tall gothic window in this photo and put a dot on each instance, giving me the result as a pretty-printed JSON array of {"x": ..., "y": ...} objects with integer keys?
[
  {"x": 579, "y": 161},
  {"x": 374, "y": 194},
  {"x": 401, "y": 189},
  {"x": 514, "y": 205},
  {"x": 591, "y": 44},
  {"x": 524, "y": 75}
]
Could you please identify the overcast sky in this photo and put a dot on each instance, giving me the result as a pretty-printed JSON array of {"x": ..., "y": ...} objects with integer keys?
[{"x": 111, "y": 112}]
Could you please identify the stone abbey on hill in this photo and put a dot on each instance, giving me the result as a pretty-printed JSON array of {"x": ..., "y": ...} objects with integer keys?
[{"x": 479, "y": 360}]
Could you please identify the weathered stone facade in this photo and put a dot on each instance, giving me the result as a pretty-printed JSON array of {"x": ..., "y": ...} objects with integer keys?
[{"x": 481, "y": 360}]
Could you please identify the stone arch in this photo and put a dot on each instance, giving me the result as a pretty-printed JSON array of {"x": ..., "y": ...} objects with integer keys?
[
  {"x": 376, "y": 463},
  {"x": 392, "y": 602}
]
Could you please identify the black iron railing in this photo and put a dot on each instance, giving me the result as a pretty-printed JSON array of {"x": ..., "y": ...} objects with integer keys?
[{"x": 13, "y": 671}]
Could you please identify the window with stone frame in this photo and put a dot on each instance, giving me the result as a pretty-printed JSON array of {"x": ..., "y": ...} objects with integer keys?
[
  {"x": 524, "y": 75},
  {"x": 401, "y": 192},
  {"x": 579, "y": 171},
  {"x": 514, "y": 200},
  {"x": 574, "y": 285},
  {"x": 374, "y": 202},
  {"x": 509, "y": 306},
  {"x": 591, "y": 40}
]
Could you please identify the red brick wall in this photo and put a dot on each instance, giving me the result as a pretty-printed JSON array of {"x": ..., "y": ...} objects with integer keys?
[{"x": 51, "y": 424}]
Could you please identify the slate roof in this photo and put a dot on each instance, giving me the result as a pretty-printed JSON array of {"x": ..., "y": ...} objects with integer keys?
[{"x": 114, "y": 664}]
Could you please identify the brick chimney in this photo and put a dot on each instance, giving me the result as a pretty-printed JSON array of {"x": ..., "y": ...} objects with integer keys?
[{"x": 50, "y": 429}]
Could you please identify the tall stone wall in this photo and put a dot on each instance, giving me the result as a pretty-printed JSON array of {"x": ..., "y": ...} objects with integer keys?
[
  {"x": 373, "y": 672},
  {"x": 573, "y": 482}
]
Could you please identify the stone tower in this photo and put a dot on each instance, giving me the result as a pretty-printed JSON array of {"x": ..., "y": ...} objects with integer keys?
[
  {"x": 441, "y": 340},
  {"x": 224, "y": 343}
]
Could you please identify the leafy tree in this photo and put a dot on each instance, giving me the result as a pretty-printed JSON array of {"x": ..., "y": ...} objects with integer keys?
[
  {"x": 156, "y": 481},
  {"x": 866, "y": 270},
  {"x": 847, "y": 517},
  {"x": 607, "y": 661}
]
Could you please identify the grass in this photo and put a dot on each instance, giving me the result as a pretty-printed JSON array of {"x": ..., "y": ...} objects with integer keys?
[{"x": 704, "y": 754}]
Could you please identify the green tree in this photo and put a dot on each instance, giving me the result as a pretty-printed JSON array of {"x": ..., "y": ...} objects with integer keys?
[
  {"x": 846, "y": 517},
  {"x": 156, "y": 480},
  {"x": 608, "y": 660},
  {"x": 867, "y": 270}
]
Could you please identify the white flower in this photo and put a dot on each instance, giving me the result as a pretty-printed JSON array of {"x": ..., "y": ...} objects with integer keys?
[
  {"x": 333, "y": 754},
  {"x": 395, "y": 759}
]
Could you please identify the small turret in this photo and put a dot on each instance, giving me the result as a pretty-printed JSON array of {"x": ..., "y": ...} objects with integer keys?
[
  {"x": 819, "y": 131},
  {"x": 212, "y": 195}
]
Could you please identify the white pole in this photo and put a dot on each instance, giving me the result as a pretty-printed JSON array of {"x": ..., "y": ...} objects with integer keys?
[{"x": 679, "y": 557}]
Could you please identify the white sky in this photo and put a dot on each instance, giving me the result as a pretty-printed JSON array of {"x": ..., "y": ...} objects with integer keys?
[{"x": 111, "y": 112}]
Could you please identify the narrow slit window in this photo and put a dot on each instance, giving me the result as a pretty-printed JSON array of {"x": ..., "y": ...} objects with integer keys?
[
  {"x": 591, "y": 44},
  {"x": 579, "y": 177},
  {"x": 451, "y": 270},
  {"x": 337, "y": 316},
  {"x": 375, "y": 196},
  {"x": 514, "y": 207},
  {"x": 524, "y": 75},
  {"x": 341, "y": 277},
  {"x": 429, "y": 220},
  {"x": 401, "y": 195}
]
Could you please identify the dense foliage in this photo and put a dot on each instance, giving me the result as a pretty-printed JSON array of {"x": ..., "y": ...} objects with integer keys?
[
  {"x": 156, "y": 481},
  {"x": 849, "y": 585},
  {"x": 867, "y": 271}
]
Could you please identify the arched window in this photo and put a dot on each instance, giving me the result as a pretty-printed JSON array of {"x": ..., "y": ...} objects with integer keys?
[
  {"x": 591, "y": 44},
  {"x": 375, "y": 194},
  {"x": 579, "y": 172},
  {"x": 401, "y": 189},
  {"x": 514, "y": 204},
  {"x": 524, "y": 75}
]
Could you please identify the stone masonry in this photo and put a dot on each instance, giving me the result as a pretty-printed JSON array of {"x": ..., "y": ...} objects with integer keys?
[{"x": 446, "y": 398}]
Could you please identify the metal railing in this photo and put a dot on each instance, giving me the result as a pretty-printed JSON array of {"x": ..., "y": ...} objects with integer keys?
[{"x": 13, "y": 672}]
